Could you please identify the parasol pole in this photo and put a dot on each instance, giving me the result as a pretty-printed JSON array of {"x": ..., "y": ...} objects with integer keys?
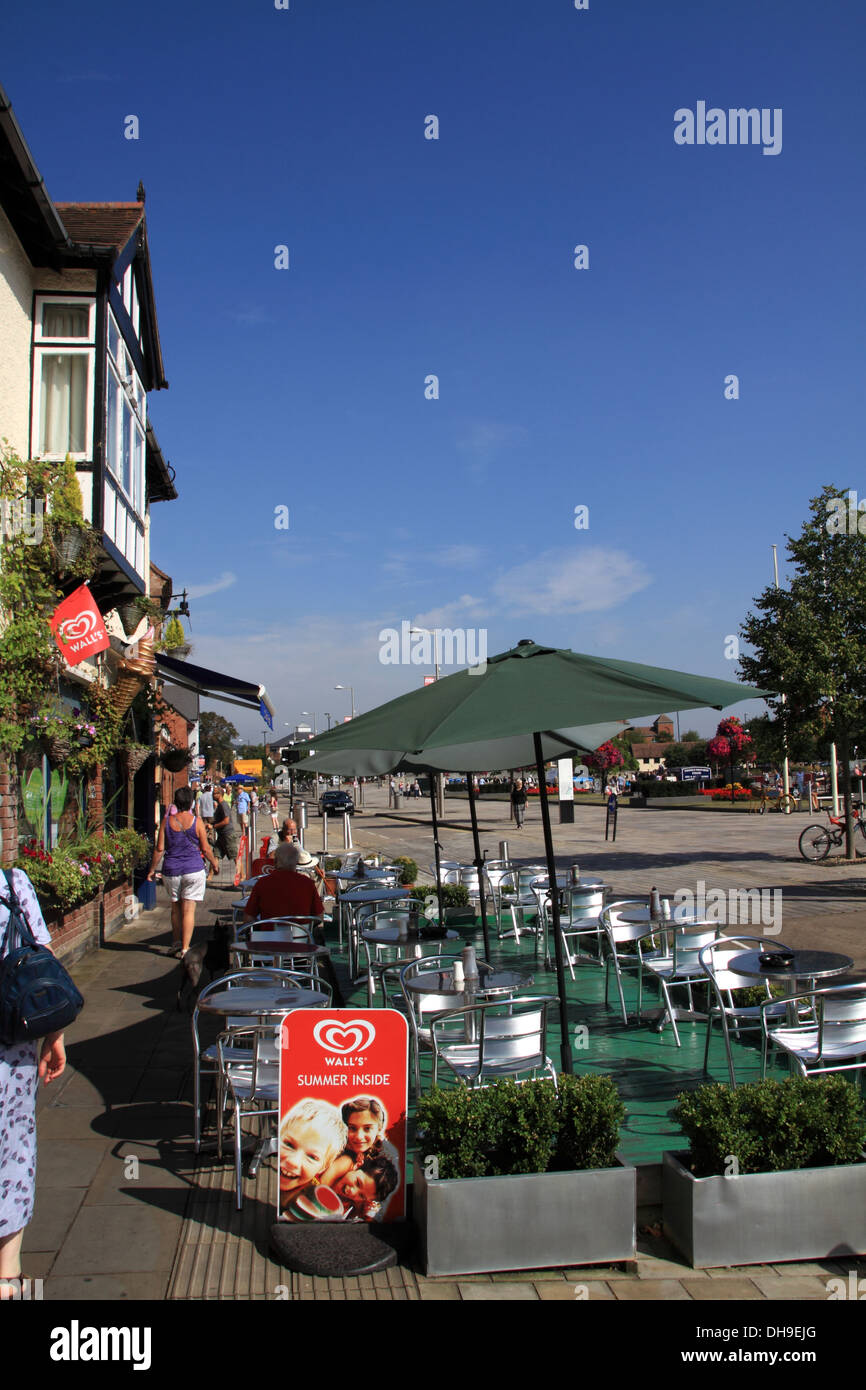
[
  {"x": 479, "y": 865},
  {"x": 437, "y": 851},
  {"x": 565, "y": 1051}
]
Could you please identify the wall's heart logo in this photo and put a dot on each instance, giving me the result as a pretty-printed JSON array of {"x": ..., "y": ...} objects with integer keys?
[
  {"x": 80, "y": 626},
  {"x": 354, "y": 1036}
]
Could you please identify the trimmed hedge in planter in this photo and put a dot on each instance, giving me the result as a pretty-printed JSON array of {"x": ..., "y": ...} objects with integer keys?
[
  {"x": 525, "y": 1177},
  {"x": 775, "y": 1172}
]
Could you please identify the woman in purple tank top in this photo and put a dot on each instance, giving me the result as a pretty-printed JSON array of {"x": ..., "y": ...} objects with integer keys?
[{"x": 183, "y": 841}]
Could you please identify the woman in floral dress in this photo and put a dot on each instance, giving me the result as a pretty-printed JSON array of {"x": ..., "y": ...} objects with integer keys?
[{"x": 21, "y": 1064}]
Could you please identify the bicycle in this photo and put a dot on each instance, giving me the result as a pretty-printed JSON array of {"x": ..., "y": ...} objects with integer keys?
[
  {"x": 816, "y": 841},
  {"x": 785, "y": 804}
]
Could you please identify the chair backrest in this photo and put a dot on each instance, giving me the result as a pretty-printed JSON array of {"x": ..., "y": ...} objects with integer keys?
[
  {"x": 581, "y": 904},
  {"x": 715, "y": 958},
  {"x": 510, "y": 1035},
  {"x": 291, "y": 928},
  {"x": 526, "y": 873},
  {"x": 688, "y": 943},
  {"x": 617, "y": 929},
  {"x": 418, "y": 1004},
  {"x": 844, "y": 1004}
]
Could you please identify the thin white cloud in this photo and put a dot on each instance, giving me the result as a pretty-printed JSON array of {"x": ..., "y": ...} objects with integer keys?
[
  {"x": 225, "y": 581},
  {"x": 485, "y": 439},
  {"x": 453, "y": 614},
  {"x": 555, "y": 582},
  {"x": 458, "y": 556}
]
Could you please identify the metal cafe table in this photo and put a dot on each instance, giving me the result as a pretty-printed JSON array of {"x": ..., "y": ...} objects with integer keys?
[
  {"x": 804, "y": 965},
  {"x": 403, "y": 937}
]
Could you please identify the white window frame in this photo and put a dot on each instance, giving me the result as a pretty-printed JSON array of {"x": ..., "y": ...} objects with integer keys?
[
  {"x": 74, "y": 302},
  {"x": 79, "y": 456},
  {"x": 130, "y": 395}
]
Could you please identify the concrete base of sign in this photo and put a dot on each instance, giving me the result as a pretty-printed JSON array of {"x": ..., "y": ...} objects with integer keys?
[{"x": 336, "y": 1250}]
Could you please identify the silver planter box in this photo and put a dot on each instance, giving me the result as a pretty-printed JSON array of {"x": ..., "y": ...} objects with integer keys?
[
  {"x": 763, "y": 1218},
  {"x": 527, "y": 1221}
]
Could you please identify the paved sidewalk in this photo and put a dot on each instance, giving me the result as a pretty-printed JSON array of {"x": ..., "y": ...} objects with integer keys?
[{"x": 125, "y": 1211}]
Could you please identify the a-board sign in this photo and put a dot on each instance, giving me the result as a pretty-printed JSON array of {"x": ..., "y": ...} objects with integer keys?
[{"x": 342, "y": 1121}]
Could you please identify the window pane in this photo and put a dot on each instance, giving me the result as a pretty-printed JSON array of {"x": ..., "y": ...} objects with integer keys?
[
  {"x": 113, "y": 427},
  {"x": 138, "y": 472},
  {"x": 128, "y": 427},
  {"x": 113, "y": 337},
  {"x": 63, "y": 404},
  {"x": 66, "y": 321}
]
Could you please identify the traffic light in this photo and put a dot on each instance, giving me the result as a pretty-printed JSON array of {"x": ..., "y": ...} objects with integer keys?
[{"x": 290, "y": 755}]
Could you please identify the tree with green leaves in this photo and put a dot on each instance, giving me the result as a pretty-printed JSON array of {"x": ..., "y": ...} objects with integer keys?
[
  {"x": 809, "y": 640},
  {"x": 215, "y": 736}
]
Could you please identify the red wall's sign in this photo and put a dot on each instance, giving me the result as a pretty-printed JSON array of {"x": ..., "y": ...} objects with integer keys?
[
  {"x": 343, "y": 1096},
  {"x": 78, "y": 627}
]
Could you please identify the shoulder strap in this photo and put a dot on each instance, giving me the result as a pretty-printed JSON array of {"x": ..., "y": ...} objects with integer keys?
[{"x": 17, "y": 924}]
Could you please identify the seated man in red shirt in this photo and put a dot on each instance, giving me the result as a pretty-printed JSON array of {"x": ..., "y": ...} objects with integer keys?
[{"x": 285, "y": 892}]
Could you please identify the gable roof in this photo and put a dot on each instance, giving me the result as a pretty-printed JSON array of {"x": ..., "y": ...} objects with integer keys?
[{"x": 101, "y": 224}]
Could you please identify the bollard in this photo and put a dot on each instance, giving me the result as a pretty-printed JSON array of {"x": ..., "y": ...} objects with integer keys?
[
  {"x": 299, "y": 816},
  {"x": 325, "y": 833},
  {"x": 347, "y": 831}
]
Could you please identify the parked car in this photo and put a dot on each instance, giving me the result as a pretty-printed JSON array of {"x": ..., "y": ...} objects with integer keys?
[{"x": 336, "y": 804}]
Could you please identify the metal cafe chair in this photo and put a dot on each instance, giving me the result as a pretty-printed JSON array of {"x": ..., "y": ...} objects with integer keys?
[
  {"x": 206, "y": 1059},
  {"x": 618, "y": 934},
  {"x": 833, "y": 1039},
  {"x": 387, "y": 958},
  {"x": 681, "y": 967},
  {"x": 510, "y": 1041},
  {"x": 737, "y": 1018},
  {"x": 580, "y": 916},
  {"x": 419, "y": 1007},
  {"x": 250, "y": 1078}
]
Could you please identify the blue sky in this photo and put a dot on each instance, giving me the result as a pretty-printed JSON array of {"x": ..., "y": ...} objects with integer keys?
[{"x": 605, "y": 387}]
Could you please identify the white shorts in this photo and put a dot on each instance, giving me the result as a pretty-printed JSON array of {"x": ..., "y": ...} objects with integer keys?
[{"x": 186, "y": 887}]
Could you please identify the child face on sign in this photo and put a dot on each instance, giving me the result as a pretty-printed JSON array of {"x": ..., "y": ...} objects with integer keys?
[
  {"x": 357, "y": 1188},
  {"x": 364, "y": 1129},
  {"x": 305, "y": 1153}
]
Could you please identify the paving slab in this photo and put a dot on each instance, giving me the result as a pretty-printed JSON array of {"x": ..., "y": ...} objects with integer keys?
[
  {"x": 648, "y": 1289},
  {"x": 55, "y": 1212},
  {"x": 67, "y": 1163},
  {"x": 580, "y": 1292},
  {"x": 497, "y": 1293},
  {"x": 803, "y": 1288},
  {"x": 109, "y": 1287},
  {"x": 137, "y": 1239},
  {"x": 721, "y": 1290}
]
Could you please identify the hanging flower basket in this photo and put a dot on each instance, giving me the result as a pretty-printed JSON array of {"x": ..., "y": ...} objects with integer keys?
[
  {"x": 176, "y": 759},
  {"x": 68, "y": 546},
  {"x": 56, "y": 747},
  {"x": 134, "y": 758},
  {"x": 130, "y": 615}
]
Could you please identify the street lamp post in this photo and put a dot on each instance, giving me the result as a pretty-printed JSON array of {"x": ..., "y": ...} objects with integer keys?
[{"x": 351, "y": 690}]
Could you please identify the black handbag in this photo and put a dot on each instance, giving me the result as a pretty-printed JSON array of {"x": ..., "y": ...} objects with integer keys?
[{"x": 37, "y": 995}]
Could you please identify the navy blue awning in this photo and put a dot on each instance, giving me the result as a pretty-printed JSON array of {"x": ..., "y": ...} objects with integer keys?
[{"x": 214, "y": 685}]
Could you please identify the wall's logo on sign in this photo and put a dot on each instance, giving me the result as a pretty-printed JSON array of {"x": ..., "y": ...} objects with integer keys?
[{"x": 354, "y": 1036}]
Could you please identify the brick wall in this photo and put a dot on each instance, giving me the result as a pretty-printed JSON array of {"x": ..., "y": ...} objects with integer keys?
[
  {"x": 8, "y": 816},
  {"x": 84, "y": 927}
]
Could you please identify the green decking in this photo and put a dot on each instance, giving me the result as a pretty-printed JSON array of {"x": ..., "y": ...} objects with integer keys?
[{"x": 647, "y": 1066}]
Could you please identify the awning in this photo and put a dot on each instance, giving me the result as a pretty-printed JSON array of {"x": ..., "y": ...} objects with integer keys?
[{"x": 213, "y": 685}]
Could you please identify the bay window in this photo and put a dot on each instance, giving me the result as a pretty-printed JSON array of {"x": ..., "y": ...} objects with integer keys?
[{"x": 125, "y": 405}]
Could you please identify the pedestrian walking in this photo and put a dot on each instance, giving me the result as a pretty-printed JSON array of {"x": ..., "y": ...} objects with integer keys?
[
  {"x": 183, "y": 843},
  {"x": 21, "y": 1067},
  {"x": 518, "y": 802}
]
